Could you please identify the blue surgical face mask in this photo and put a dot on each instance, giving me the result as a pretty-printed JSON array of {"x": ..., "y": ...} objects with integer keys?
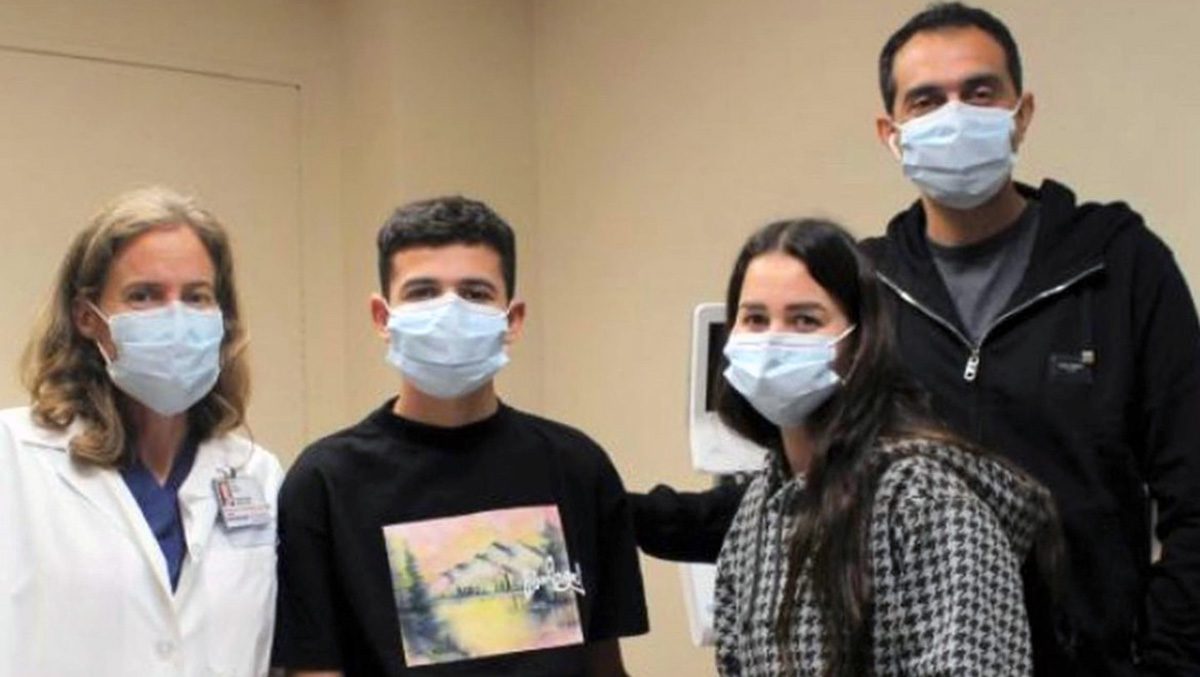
[
  {"x": 447, "y": 347},
  {"x": 784, "y": 376},
  {"x": 168, "y": 357},
  {"x": 959, "y": 155}
]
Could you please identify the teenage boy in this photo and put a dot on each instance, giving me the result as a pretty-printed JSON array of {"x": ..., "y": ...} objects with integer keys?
[
  {"x": 447, "y": 533},
  {"x": 1060, "y": 334}
]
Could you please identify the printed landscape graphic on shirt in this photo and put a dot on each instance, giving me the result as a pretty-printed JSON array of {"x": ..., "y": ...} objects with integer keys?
[{"x": 483, "y": 584}]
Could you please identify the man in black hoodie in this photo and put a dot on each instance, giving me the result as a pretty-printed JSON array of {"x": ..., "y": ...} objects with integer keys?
[{"x": 1059, "y": 334}]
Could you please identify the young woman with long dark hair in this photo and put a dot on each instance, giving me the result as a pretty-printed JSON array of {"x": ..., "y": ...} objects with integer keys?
[{"x": 874, "y": 541}]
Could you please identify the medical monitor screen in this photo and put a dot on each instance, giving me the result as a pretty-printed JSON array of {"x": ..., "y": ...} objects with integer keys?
[{"x": 716, "y": 344}]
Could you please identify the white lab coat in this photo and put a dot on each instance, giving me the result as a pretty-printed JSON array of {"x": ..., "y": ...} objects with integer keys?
[{"x": 83, "y": 583}]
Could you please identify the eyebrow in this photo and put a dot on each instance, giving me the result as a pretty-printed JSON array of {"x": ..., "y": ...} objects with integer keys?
[
  {"x": 154, "y": 284},
  {"x": 808, "y": 306},
  {"x": 476, "y": 282},
  {"x": 791, "y": 307},
  {"x": 989, "y": 79},
  {"x": 419, "y": 282}
]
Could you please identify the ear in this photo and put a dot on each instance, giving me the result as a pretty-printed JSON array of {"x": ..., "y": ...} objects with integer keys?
[
  {"x": 379, "y": 315},
  {"x": 516, "y": 322},
  {"x": 1023, "y": 119},
  {"x": 91, "y": 326},
  {"x": 886, "y": 131},
  {"x": 86, "y": 321}
]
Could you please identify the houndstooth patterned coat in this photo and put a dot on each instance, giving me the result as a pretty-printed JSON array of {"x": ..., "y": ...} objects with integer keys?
[{"x": 948, "y": 533}]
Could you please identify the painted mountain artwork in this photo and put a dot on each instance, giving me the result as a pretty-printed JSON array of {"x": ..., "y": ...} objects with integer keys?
[{"x": 483, "y": 584}]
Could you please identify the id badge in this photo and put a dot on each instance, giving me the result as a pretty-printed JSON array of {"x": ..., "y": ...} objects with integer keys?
[{"x": 241, "y": 502}]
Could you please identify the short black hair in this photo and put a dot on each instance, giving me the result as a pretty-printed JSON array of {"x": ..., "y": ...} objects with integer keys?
[
  {"x": 443, "y": 221},
  {"x": 945, "y": 15}
]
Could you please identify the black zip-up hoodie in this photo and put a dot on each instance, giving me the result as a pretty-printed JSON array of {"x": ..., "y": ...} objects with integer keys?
[{"x": 1090, "y": 380}]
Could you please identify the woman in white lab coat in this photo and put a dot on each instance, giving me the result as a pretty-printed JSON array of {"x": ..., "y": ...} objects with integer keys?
[{"x": 137, "y": 532}]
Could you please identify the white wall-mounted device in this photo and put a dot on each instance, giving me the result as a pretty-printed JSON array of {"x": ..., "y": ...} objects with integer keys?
[{"x": 716, "y": 450}]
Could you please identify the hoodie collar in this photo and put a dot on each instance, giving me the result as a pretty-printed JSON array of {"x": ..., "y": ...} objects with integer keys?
[
  {"x": 1060, "y": 235},
  {"x": 1070, "y": 240}
]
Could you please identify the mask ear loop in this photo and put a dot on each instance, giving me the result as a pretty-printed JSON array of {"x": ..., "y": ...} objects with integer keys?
[
  {"x": 893, "y": 144},
  {"x": 853, "y": 364},
  {"x": 107, "y": 321},
  {"x": 1015, "y": 132}
]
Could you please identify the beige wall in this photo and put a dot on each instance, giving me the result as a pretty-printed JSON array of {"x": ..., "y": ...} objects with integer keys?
[
  {"x": 390, "y": 101},
  {"x": 633, "y": 143},
  {"x": 668, "y": 130},
  {"x": 232, "y": 101},
  {"x": 437, "y": 100}
]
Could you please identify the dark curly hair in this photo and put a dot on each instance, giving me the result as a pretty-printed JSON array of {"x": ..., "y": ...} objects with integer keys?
[
  {"x": 945, "y": 15},
  {"x": 443, "y": 221}
]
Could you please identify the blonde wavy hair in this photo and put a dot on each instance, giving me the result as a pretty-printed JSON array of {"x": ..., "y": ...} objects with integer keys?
[{"x": 63, "y": 370}]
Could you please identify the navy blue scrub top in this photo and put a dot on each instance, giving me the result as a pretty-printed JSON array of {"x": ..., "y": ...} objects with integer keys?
[{"x": 160, "y": 504}]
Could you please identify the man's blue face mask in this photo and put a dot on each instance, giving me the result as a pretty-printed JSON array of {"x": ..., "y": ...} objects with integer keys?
[{"x": 959, "y": 155}]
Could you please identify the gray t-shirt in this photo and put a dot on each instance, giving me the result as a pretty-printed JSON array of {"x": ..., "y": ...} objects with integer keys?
[{"x": 981, "y": 277}]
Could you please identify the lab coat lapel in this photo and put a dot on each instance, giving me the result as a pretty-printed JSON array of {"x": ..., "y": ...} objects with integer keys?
[
  {"x": 104, "y": 489},
  {"x": 101, "y": 487},
  {"x": 197, "y": 503},
  {"x": 92, "y": 483}
]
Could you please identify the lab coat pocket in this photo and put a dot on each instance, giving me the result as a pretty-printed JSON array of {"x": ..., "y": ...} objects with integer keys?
[
  {"x": 239, "y": 574},
  {"x": 252, "y": 536}
]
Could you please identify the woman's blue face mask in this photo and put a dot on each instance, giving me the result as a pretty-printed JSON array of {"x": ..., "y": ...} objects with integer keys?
[{"x": 785, "y": 376}]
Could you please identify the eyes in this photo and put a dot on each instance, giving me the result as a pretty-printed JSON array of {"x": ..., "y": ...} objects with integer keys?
[
  {"x": 759, "y": 320},
  {"x": 922, "y": 101},
  {"x": 475, "y": 292},
  {"x": 148, "y": 295}
]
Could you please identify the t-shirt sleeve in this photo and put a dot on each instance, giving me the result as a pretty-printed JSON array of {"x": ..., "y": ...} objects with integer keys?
[
  {"x": 305, "y": 624},
  {"x": 619, "y": 609}
]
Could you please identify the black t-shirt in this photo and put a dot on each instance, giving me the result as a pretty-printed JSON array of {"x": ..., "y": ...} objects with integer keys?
[
  {"x": 494, "y": 548},
  {"x": 981, "y": 277}
]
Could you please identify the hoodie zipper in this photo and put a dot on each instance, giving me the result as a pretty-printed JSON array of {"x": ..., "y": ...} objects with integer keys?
[{"x": 971, "y": 369}]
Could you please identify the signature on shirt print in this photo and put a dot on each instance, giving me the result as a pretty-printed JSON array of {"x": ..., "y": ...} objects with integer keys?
[{"x": 548, "y": 576}]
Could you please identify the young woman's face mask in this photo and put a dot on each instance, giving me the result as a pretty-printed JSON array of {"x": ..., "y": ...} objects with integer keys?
[
  {"x": 783, "y": 350},
  {"x": 784, "y": 376}
]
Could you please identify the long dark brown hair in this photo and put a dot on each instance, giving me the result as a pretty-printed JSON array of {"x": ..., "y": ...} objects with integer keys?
[{"x": 877, "y": 399}]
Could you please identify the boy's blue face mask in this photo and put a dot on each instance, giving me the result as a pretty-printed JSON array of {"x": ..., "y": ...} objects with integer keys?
[{"x": 447, "y": 347}]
